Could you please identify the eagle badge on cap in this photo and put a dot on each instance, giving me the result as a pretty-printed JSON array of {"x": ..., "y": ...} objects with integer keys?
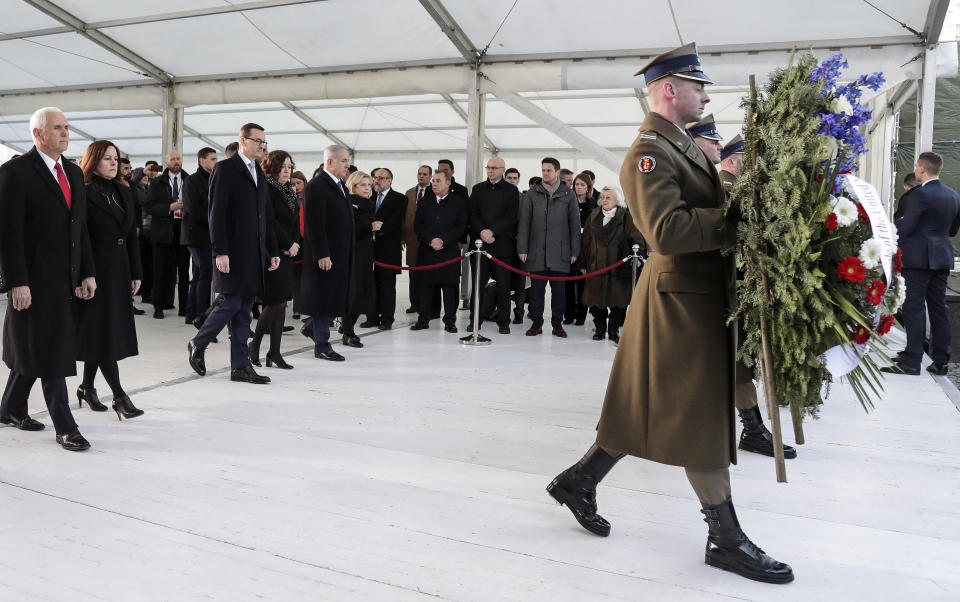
[{"x": 647, "y": 164}]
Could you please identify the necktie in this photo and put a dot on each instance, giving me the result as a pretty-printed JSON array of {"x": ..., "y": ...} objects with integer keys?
[
  {"x": 176, "y": 190},
  {"x": 253, "y": 171},
  {"x": 64, "y": 186},
  {"x": 340, "y": 184},
  {"x": 419, "y": 193},
  {"x": 379, "y": 201}
]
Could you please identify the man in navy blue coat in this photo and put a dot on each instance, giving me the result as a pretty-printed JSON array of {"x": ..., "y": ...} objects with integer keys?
[
  {"x": 931, "y": 218},
  {"x": 242, "y": 246}
]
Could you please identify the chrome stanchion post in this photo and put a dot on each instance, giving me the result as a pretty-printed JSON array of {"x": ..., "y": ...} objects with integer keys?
[
  {"x": 636, "y": 260},
  {"x": 476, "y": 338}
]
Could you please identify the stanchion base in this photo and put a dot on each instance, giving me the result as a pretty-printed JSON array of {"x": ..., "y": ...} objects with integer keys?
[{"x": 475, "y": 339}]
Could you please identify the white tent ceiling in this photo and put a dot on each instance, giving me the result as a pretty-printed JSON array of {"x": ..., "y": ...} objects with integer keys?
[{"x": 391, "y": 77}]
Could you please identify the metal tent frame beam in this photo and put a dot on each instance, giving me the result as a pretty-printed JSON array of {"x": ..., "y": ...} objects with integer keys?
[
  {"x": 438, "y": 12},
  {"x": 171, "y": 16},
  {"x": 487, "y": 142},
  {"x": 316, "y": 125}
]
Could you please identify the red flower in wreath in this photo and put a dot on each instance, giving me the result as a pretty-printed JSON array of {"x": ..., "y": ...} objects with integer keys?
[
  {"x": 861, "y": 335},
  {"x": 898, "y": 261},
  {"x": 885, "y": 324},
  {"x": 862, "y": 213},
  {"x": 875, "y": 291},
  {"x": 831, "y": 222},
  {"x": 852, "y": 269}
]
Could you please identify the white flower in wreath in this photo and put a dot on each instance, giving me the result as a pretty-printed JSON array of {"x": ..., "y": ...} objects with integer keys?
[
  {"x": 846, "y": 212},
  {"x": 896, "y": 294},
  {"x": 870, "y": 253},
  {"x": 895, "y": 234}
]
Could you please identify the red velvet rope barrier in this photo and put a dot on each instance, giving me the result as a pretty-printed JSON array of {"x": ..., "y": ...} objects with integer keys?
[
  {"x": 558, "y": 278},
  {"x": 416, "y": 268}
]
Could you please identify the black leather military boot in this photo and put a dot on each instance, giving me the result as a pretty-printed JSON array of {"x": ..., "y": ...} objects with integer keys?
[
  {"x": 755, "y": 436},
  {"x": 576, "y": 487},
  {"x": 729, "y": 548}
]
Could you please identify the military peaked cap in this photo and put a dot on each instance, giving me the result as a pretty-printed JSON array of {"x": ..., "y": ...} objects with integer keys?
[
  {"x": 682, "y": 62},
  {"x": 733, "y": 147},
  {"x": 705, "y": 128}
]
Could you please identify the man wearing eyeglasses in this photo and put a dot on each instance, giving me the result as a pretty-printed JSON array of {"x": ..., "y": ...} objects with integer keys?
[
  {"x": 391, "y": 208},
  {"x": 242, "y": 246},
  {"x": 494, "y": 207}
]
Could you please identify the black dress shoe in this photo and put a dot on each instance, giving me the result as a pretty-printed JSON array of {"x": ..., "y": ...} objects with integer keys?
[
  {"x": 305, "y": 332},
  {"x": 412, "y": 310},
  {"x": 89, "y": 395},
  {"x": 568, "y": 321},
  {"x": 599, "y": 336},
  {"x": 158, "y": 314},
  {"x": 450, "y": 328},
  {"x": 352, "y": 341},
  {"x": 385, "y": 326},
  {"x": 331, "y": 356},
  {"x": 248, "y": 375},
  {"x": 182, "y": 313},
  {"x": 938, "y": 369},
  {"x": 73, "y": 441},
  {"x": 24, "y": 424},
  {"x": 505, "y": 328},
  {"x": 288, "y": 328},
  {"x": 420, "y": 326},
  {"x": 196, "y": 359},
  {"x": 198, "y": 322},
  {"x": 579, "y": 321},
  {"x": 899, "y": 367},
  {"x": 137, "y": 311},
  {"x": 369, "y": 324}
]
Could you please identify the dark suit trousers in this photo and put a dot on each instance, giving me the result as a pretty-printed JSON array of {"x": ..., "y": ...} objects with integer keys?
[
  {"x": 451, "y": 301},
  {"x": 386, "y": 286},
  {"x": 503, "y": 277},
  {"x": 926, "y": 288},
  {"x": 199, "y": 296},
  {"x": 54, "y": 393},
  {"x": 538, "y": 294},
  {"x": 234, "y": 313},
  {"x": 171, "y": 267}
]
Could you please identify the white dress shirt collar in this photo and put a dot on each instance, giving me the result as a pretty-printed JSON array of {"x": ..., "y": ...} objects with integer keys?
[
  {"x": 50, "y": 163},
  {"x": 930, "y": 180}
]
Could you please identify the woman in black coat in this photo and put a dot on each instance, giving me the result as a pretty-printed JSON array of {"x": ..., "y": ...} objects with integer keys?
[
  {"x": 106, "y": 331},
  {"x": 278, "y": 284},
  {"x": 362, "y": 286}
]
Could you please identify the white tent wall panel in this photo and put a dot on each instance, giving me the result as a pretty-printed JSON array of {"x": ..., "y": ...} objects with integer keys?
[
  {"x": 64, "y": 59},
  {"x": 20, "y": 16},
  {"x": 324, "y": 34}
]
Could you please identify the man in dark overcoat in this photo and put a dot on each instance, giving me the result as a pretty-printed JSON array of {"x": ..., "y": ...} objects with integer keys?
[
  {"x": 930, "y": 220},
  {"x": 390, "y": 209},
  {"x": 678, "y": 317},
  {"x": 494, "y": 207},
  {"x": 171, "y": 260},
  {"x": 328, "y": 244},
  {"x": 440, "y": 224},
  {"x": 242, "y": 245},
  {"x": 46, "y": 261},
  {"x": 195, "y": 233}
]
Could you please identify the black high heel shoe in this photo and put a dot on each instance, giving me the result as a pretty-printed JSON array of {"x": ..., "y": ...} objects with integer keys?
[
  {"x": 89, "y": 394},
  {"x": 278, "y": 360},
  {"x": 125, "y": 408}
]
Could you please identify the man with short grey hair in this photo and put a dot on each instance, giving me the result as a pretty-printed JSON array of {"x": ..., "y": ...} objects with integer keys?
[
  {"x": 46, "y": 260},
  {"x": 328, "y": 245}
]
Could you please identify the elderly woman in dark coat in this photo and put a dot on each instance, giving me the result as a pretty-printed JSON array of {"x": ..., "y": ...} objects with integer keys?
[
  {"x": 278, "y": 284},
  {"x": 106, "y": 331},
  {"x": 362, "y": 286},
  {"x": 608, "y": 235}
]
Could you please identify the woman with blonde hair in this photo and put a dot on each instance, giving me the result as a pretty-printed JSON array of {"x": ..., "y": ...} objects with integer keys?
[{"x": 362, "y": 286}]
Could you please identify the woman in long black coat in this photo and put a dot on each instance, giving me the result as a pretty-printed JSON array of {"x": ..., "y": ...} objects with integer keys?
[
  {"x": 278, "y": 284},
  {"x": 362, "y": 286},
  {"x": 106, "y": 332}
]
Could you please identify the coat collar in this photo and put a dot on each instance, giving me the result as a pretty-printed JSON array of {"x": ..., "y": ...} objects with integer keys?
[
  {"x": 100, "y": 188},
  {"x": 682, "y": 141},
  {"x": 47, "y": 178},
  {"x": 239, "y": 163}
]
